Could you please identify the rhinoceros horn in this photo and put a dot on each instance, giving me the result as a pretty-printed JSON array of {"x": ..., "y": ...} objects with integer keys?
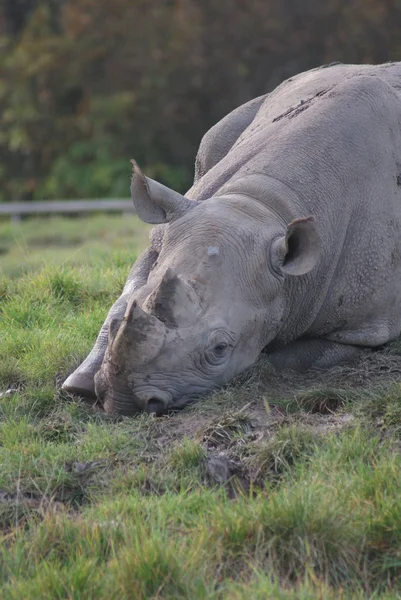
[
  {"x": 174, "y": 301},
  {"x": 139, "y": 337},
  {"x": 155, "y": 203}
]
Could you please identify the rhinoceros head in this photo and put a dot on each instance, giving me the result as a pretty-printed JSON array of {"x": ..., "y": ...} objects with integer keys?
[{"x": 214, "y": 298}]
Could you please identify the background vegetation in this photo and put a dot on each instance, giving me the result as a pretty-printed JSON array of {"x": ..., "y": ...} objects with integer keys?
[{"x": 87, "y": 84}]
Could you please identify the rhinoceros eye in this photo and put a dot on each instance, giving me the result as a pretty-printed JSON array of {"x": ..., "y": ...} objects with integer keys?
[
  {"x": 220, "y": 349},
  {"x": 217, "y": 353}
]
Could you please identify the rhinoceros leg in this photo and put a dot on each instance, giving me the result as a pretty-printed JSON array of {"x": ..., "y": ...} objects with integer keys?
[
  {"x": 303, "y": 355},
  {"x": 80, "y": 382}
]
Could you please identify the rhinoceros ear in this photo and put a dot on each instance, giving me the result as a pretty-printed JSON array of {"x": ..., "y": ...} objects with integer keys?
[
  {"x": 153, "y": 202},
  {"x": 298, "y": 251}
]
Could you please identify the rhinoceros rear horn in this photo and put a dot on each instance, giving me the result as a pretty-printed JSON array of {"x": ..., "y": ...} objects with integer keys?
[
  {"x": 137, "y": 319},
  {"x": 155, "y": 203},
  {"x": 174, "y": 301},
  {"x": 297, "y": 252}
]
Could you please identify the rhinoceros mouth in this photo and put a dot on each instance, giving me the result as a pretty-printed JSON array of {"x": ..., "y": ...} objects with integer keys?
[
  {"x": 129, "y": 404},
  {"x": 119, "y": 399}
]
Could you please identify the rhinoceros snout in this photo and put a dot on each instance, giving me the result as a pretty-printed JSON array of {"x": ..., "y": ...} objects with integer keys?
[
  {"x": 117, "y": 399},
  {"x": 131, "y": 405}
]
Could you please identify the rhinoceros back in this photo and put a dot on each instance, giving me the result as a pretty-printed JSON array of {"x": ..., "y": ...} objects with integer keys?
[{"x": 333, "y": 137}]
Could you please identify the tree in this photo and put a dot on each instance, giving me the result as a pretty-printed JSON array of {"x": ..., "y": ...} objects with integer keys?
[{"x": 85, "y": 85}]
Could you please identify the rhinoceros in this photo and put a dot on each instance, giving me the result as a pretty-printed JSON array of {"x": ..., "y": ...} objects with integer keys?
[{"x": 288, "y": 242}]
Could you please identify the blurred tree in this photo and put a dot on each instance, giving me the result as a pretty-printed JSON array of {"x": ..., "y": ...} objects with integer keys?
[{"x": 86, "y": 84}]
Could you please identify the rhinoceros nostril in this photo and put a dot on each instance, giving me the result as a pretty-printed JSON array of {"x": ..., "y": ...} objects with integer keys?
[{"x": 155, "y": 406}]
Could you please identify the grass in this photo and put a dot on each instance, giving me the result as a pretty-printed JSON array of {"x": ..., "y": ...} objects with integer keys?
[{"x": 276, "y": 487}]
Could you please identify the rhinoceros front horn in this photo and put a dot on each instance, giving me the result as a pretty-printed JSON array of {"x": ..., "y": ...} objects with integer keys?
[
  {"x": 155, "y": 203},
  {"x": 140, "y": 336}
]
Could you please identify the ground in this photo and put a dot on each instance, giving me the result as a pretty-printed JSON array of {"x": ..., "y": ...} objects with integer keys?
[{"x": 279, "y": 486}]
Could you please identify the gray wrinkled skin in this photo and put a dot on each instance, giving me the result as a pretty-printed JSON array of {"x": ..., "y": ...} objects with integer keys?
[{"x": 289, "y": 241}]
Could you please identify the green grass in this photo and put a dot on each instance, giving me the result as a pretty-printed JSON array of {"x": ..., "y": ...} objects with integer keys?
[
  {"x": 288, "y": 492},
  {"x": 79, "y": 243}
]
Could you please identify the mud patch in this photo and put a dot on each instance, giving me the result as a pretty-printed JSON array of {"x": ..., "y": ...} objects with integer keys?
[
  {"x": 221, "y": 471},
  {"x": 257, "y": 428},
  {"x": 28, "y": 500},
  {"x": 243, "y": 438},
  {"x": 17, "y": 507},
  {"x": 294, "y": 111}
]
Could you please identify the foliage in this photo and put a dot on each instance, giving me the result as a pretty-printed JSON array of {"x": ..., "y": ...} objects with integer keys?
[{"x": 87, "y": 85}]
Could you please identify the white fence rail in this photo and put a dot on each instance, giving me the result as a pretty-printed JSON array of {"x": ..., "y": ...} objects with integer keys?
[{"x": 16, "y": 209}]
